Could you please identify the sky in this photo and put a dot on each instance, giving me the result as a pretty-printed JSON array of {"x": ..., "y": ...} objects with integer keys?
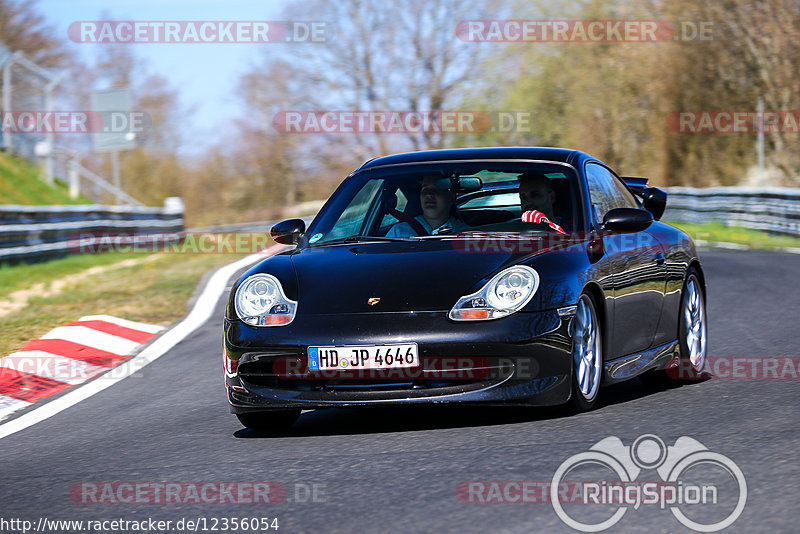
[{"x": 205, "y": 74}]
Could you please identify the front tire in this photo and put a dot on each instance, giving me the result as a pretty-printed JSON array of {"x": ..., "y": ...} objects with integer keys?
[
  {"x": 587, "y": 355},
  {"x": 273, "y": 420}
]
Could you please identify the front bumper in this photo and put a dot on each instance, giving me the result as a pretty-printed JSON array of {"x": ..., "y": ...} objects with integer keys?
[{"x": 521, "y": 359}]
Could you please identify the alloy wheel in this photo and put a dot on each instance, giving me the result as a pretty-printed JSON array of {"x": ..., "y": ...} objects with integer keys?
[{"x": 586, "y": 352}]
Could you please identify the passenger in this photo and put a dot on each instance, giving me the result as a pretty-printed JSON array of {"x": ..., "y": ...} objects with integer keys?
[
  {"x": 536, "y": 193},
  {"x": 536, "y": 196},
  {"x": 436, "y": 215}
]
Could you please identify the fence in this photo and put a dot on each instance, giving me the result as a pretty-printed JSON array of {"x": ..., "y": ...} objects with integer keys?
[
  {"x": 774, "y": 209},
  {"x": 38, "y": 232}
]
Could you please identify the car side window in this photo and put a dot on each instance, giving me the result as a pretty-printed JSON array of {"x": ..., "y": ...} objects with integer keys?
[
  {"x": 352, "y": 218},
  {"x": 402, "y": 202},
  {"x": 606, "y": 192}
]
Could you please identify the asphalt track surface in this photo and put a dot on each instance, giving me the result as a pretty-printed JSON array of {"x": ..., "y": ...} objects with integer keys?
[{"x": 392, "y": 470}]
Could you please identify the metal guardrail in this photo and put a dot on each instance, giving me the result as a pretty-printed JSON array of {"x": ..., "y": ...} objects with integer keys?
[
  {"x": 252, "y": 227},
  {"x": 774, "y": 209},
  {"x": 37, "y": 232}
]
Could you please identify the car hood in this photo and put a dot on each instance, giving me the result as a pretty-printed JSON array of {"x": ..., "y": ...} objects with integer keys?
[{"x": 405, "y": 276}]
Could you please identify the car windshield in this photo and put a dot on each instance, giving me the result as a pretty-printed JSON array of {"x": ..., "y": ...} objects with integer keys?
[{"x": 439, "y": 200}]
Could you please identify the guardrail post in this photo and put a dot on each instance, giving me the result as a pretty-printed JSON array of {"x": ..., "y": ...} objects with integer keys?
[
  {"x": 173, "y": 206},
  {"x": 74, "y": 180},
  {"x": 8, "y": 141}
]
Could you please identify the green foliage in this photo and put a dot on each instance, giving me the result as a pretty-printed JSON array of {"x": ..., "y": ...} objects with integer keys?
[
  {"x": 23, "y": 275},
  {"x": 716, "y": 232}
]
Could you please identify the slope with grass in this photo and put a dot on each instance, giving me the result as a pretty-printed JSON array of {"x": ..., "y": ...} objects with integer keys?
[{"x": 20, "y": 183}]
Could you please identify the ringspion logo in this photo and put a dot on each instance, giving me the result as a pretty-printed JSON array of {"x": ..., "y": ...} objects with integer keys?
[{"x": 704, "y": 490}]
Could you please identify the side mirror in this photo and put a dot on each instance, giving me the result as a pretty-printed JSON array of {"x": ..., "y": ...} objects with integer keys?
[
  {"x": 655, "y": 201},
  {"x": 288, "y": 232},
  {"x": 627, "y": 220}
]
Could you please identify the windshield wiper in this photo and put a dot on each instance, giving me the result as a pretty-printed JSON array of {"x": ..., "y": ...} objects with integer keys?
[
  {"x": 367, "y": 238},
  {"x": 493, "y": 233},
  {"x": 364, "y": 239}
]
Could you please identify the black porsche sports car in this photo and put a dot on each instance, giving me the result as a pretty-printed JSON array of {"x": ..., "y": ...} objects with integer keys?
[{"x": 481, "y": 276}]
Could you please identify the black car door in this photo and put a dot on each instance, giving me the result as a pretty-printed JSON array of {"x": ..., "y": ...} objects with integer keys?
[{"x": 635, "y": 262}]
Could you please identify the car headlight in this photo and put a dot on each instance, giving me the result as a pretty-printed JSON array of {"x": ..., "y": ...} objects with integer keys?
[
  {"x": 260, "y": 301},
  {"x": 507, "y": 292}
]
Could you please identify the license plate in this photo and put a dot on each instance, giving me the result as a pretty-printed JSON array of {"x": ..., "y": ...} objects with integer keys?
[{"x": 363, "y": 357}]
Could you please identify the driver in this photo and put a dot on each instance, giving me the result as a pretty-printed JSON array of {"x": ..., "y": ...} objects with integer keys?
[{"x": 436, "y": 217}]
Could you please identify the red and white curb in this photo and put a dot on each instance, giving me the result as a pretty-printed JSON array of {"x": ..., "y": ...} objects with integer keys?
[
  {"x": 202, "y": 311},
  {"x": 67, "y": 356}
]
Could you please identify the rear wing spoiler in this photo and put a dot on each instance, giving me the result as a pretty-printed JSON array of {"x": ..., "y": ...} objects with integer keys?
[
  {"x": 653, "y": 198},
  {"x": 636, "y": 185}
]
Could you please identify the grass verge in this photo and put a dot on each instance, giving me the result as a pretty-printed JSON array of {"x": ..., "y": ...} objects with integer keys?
[
  {"x": 717, "y": 231},
  {"x": 21, "y": 276},
  {"x": 150, "y": 288}
]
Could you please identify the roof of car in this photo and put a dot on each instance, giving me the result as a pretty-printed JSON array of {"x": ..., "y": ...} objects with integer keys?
[{"x": 449, "y": 154}]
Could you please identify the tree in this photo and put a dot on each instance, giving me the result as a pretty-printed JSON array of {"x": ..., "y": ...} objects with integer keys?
[
  {"x": 276, "y": 169},
  {"x": 756, "y": 55},
  {"x": 387, "y": 55},
  {"x": 23, "y": 29},
  {"x": 153, "y": 170},
  {"x": 615, "y": 99}
]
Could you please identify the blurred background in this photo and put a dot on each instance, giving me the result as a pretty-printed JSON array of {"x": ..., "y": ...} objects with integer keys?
[{"x": 210, "y": 137}]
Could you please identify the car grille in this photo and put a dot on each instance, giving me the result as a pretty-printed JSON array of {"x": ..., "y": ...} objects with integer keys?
[{"x": 289, "y": 372}]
